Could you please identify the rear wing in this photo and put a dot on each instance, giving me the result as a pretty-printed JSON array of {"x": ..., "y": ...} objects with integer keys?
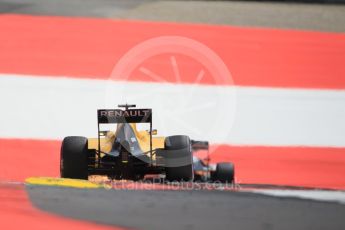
[
  {"x": 108, "y": 116},
  {"x": 199, "y": 145},
  {"x": 126, "y": 115}
]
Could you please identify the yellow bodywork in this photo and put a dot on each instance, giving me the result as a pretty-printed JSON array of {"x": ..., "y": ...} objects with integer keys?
[{"x": 142, "y": 136}]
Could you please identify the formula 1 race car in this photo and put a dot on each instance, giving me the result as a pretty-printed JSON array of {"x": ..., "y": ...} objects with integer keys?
[{"x": 125, "y": 152}]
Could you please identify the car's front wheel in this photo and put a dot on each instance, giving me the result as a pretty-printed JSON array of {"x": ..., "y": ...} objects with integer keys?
[{"x": 225, "y": 173}]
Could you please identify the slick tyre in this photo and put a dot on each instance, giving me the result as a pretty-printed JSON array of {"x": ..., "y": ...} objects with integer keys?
[
  {"x": 225, "y": 173},
  {"x": 178, "y": 158},
  {"x": 74, "y": 158}
]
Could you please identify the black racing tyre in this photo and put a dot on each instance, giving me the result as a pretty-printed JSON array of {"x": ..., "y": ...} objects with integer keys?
[
  {"x": 178, "y": 158},
  {"x": 225, "y": 173},
  {"x": 74, "y": 158}
]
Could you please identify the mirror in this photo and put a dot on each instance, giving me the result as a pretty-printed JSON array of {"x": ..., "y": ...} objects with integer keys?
[{"x": 154, "y": 131}]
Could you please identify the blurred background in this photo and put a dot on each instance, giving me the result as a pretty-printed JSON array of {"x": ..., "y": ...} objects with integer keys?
[
  {"x": 255, "y": 78},
  {"x": 262, "y": 81}
]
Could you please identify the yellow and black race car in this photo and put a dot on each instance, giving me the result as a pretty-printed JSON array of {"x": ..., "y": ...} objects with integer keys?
[{"x": 129, "y": 153}]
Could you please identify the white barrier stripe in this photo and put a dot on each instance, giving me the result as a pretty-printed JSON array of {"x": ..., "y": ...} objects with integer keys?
[{"x": 51, "y": 108}]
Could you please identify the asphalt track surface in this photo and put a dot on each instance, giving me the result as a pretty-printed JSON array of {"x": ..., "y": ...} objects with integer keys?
[
  {"x": 187, "y": 209},
  {"x": 174, "y": 209}
]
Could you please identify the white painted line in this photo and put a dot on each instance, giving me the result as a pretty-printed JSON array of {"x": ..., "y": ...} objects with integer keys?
[
  {"x": 10, "y": 183},
  {"x": 319, "y": 195},
  {"x": 51, "y": 108}
]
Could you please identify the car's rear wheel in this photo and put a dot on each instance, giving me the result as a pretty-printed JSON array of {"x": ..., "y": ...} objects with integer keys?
[
  {"x": 178, "y": 158},
  {"x": 74, "y": 158},
  {"x": 225, "y": 173}
]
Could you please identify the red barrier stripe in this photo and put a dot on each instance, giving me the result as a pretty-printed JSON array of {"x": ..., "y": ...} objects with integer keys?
[
  {"x": 296, "y": 166},
  {"x": 89, "y": 48},
  {"x": 319, "y": 167},
  {"x": 25, "y": 158}
]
